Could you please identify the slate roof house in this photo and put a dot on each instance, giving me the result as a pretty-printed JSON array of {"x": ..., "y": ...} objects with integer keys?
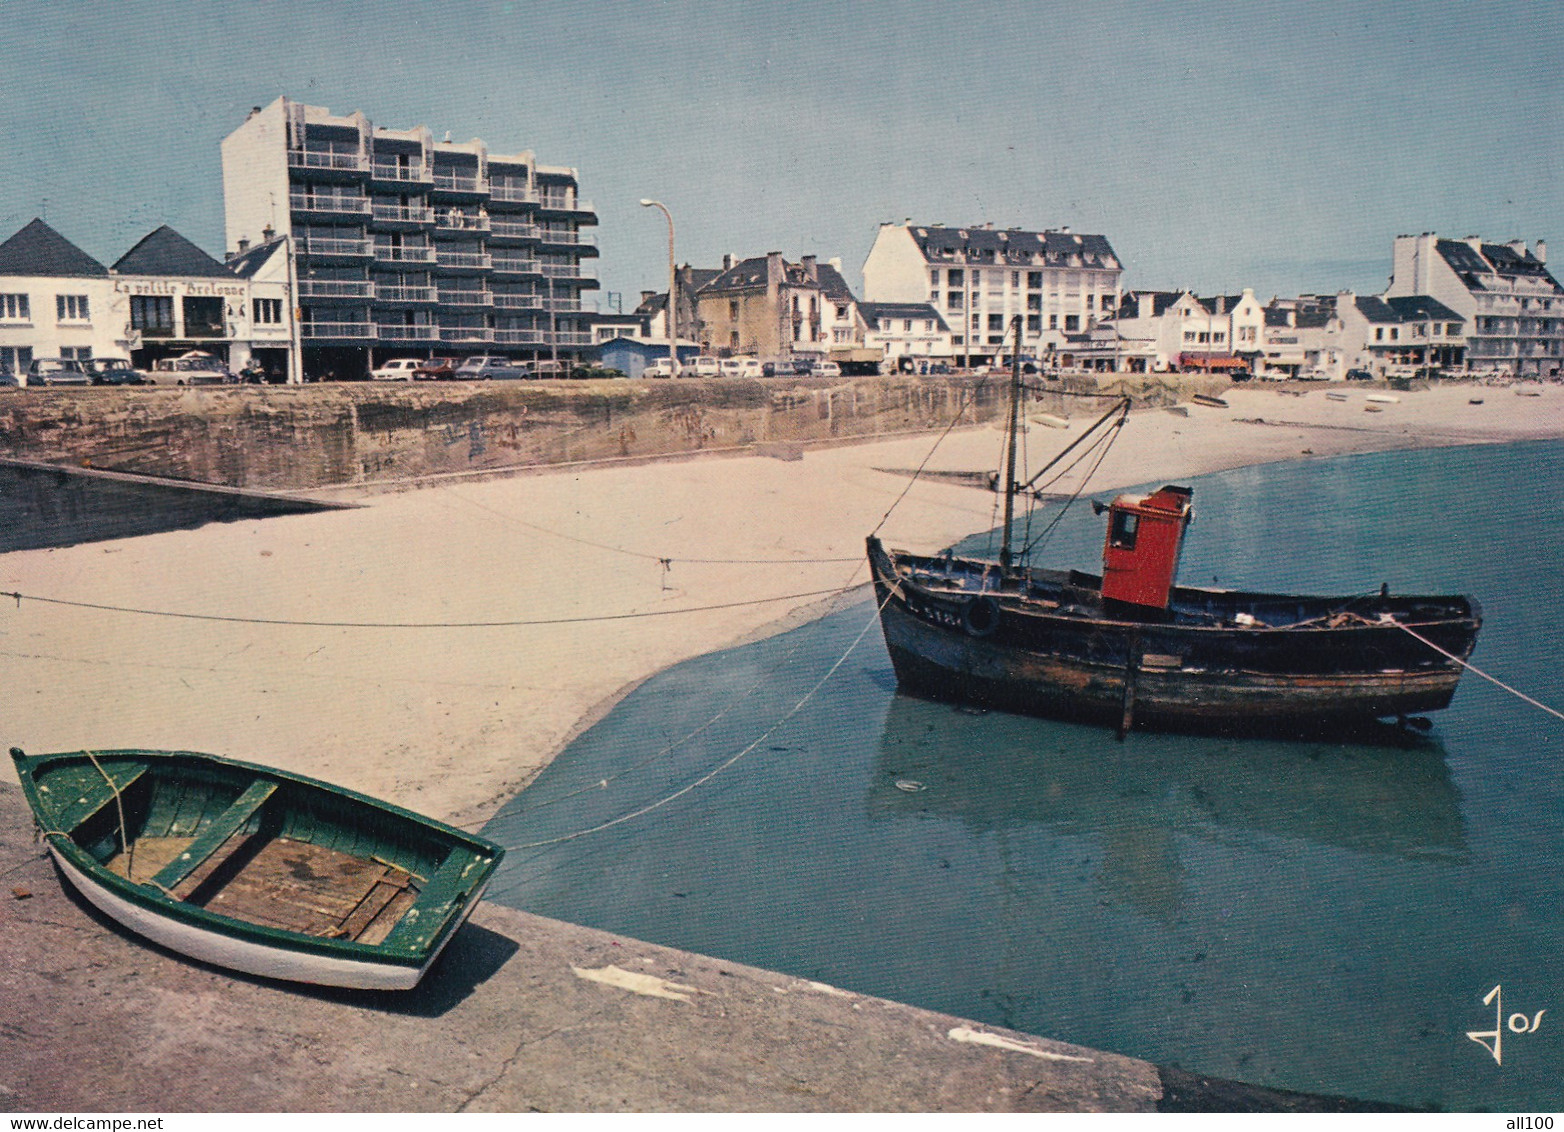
[
  {"x": 766, "y": 307},
  {"x": 1511, "y": 307},
  {"x": 54, "y": 301}
]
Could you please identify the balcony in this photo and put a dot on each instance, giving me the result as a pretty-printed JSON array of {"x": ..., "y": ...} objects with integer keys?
[
  {"x": 516, "y": 265},
  {"x": 563, "y": 271},
  {"x": 567, "y": 239},
  {"x": 472, "y": 334},
  {"x": 327, "y": 161},
  {"x": 466, "y": 183},
  {"x": 467, "y": 298},
  {"x": 512, "y": 337},
  {"x": 464, "y": 261},
  {"x": 388, "y": 333},
  {"x": 328, "y": 205},
  {"x": 572, "y": 338},
  {"x": 356, "y": 330},
  {"x": 335, "y": 289},
  {"x": 512, "y": 230},
  {"x": 513, "y": 194},
  {"x": 397, "y": 253},
  {"x": 323, "y": 246},
  {"x": 454, "y": 221},
  {"x": 389, "y": 173},
  {"x": 561, "y": 202},
  {"x": 518, "y": 302},
  {"x": 402, "y": 214},
  {"x": 406, "y": 295}
]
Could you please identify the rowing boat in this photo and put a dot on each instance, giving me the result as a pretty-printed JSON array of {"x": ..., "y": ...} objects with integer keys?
[{"x": 256, "y": 869}]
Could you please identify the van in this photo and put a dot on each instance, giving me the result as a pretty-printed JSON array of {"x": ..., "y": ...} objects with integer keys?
[
  {"x": 702, "y": 367},
  {"x": 730, "y": 367},
  {"x": 662, "y": 367}
]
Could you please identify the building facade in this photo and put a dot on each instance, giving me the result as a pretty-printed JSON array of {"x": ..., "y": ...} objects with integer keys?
[
  {"x": 56, "y": 301},
  {"x": 399, "y": 245},
  {"x": 765, "y": 307},
  {"x": 979, "y": 279},
  {"x": 1511, "y": 307},
  {"x": 908, "y": 336}
]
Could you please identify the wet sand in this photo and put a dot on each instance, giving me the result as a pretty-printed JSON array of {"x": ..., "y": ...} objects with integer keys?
[{"x": 447, "y": 642}]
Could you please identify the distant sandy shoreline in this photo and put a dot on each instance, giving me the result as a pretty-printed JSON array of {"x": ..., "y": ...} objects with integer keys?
[{"x": 561, "y": 591}]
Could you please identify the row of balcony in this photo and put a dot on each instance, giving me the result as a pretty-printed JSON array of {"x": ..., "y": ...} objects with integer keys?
[
  {"x": 475, "y": 335},
  {"x": 447, "y": 220},
  {"x": 326, "y": 247},
  {"x": 360, "y": 290},
  {"x": 418, "y": 174}
]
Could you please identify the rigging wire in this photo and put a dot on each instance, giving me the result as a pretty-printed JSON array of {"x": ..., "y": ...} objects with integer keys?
[
  {"x": 1473, "y": 668},
  {"x": 961, "y": 409},
  {"x": 1110, "y": 436}
]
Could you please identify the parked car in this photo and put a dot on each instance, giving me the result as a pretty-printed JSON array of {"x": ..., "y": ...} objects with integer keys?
[
  {"x": 57, "y": 371},
  {"x": 701, "y": 367},
  {"x": 595, "y": 373},
  {"x": 483, "y": 368},
  {"x": 783, "y": 368},
  {"x": 189, "y": 369},
  {"x": 114, "y": 371},
  {"x": 750, "y": 367},
  {"x": 550, "y": 369},
  {"x": 397, "y": 369},
  {"x": 662, "y": 367},
  {"x": 1359, "y": 375},
  {"x": 435, "y": 369},
  {"x": 825, "y": 369},
  {"x": 729, "y": 367}
]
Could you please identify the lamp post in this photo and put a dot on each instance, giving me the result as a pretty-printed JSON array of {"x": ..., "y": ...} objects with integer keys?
[{"x": 673, "y": 288}]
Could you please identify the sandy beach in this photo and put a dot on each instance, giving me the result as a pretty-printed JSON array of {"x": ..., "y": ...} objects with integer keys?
[{"x": 437, "y": 647}]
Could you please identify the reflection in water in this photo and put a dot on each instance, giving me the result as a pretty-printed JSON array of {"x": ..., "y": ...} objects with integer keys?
[{"x": 990, "y": 771}]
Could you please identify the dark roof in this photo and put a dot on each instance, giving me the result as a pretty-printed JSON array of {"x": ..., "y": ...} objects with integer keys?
[
  {"x": 834, "y": 286},
  {"x": 1014, "y": 247},
  {"x": 39, "y": 250},
  {"x": 1220, "y": 304},
  {"x": 1130, "y": 306},
  {"x": 1493, "y": 259},
  {"x": 1417, "y": 308},
  {"x": 250, "y": 261},
  {"x": 750, "y": 275},
  {"x": 872, "y": 312},
  {"x": 164, "y": 251},
  {"x": 1376, "y": 309}
]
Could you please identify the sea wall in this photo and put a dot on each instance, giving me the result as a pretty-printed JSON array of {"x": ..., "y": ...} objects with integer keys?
[{"x": 278, "y": 437}]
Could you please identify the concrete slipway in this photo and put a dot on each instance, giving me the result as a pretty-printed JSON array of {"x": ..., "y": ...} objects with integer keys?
[{"x": 521, "y": 1014}]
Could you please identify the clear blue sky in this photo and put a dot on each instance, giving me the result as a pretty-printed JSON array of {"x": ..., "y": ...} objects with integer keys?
[{"x": 1279, "y": 146}]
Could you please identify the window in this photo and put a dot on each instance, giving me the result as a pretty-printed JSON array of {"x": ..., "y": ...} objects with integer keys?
[
  {"x": 953, "y": 276},
  {"x": 1034, "y": 280},
  {"x": 152, "y": 314},
  {"x": 977, "y": 322},
  {"x": 203, "y": 316},
  {"x": 267, "y": 312},
  {"x": 933, "y": 297},
  {"x": 1219, "y": 336},
  {"x": 996, "y": 322},
  {"x": 1072, "y": 322},
  {"x": 71, "y": 308},
  {"x": 79, "y": 353},
  {"x": 934, "y": 278},
  {"x": 1122, "y": 531},
  {"x": 1034, "y": 302},
  {"x": 1379, "y": 334},
  {"x": 14, "y": 307},
  {"x": 1053, "y": 322},
  {"x": 841, "y": 312},
  {"x": 1189, "y": 336},
  {"x": 906, "y": 325},
  {"x": 1015, "y": 279},
  {"x": 1034, "y": 323},
  {"x": 17, "y": 359},
  {"x": 733, "y": 309},
  {"x": 953, "y": 299}
]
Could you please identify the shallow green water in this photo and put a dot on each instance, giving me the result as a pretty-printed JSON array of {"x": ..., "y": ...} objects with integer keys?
[{"x": 1317, "y": 916}]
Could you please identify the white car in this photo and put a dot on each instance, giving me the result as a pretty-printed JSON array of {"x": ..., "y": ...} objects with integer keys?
[
  {"x": 825, "y": 369},
  {"x": 702, "y": 367},
  {"x": 662, "y": 367},
  {"x": 730, "y": 367},
  {"x": 750, "y": 367},
  {"x": 397, "y": 369}
]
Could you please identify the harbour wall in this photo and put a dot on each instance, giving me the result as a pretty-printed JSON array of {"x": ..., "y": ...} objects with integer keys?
[{"x": 316, "y": 436}]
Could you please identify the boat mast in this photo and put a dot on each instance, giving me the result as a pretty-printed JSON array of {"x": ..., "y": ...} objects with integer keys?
[{"x": 1010, "y": 446}]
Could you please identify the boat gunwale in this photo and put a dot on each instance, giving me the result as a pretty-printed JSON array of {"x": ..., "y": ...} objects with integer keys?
[{"x": 63, "y": 842}]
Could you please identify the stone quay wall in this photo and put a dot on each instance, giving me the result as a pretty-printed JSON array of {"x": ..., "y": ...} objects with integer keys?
[{"x": 313, "y": 436}]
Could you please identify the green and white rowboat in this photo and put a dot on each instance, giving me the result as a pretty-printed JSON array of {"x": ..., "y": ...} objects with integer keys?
[{"x": 255, "y": 869}]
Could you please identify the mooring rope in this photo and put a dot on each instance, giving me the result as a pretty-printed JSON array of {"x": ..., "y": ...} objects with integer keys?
[
  {"x": 124, "y": 843},
  {"x": 1387, "y": 619},
  {"x": 305, "y": 624}
]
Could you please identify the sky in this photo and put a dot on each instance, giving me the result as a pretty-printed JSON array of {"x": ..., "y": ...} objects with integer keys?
[{"x": 1218, "y": 146}]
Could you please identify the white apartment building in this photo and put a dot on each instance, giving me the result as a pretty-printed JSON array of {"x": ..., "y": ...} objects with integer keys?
[
  {"x": 1059, "y": 283},
  {"x": 1511, "y": 307},
  {"x": 404, "y": 246},
  {"x": 56, "y": 301},
  {"x": 1174, "y": 330},
  {"x": 907, "y": 335}
]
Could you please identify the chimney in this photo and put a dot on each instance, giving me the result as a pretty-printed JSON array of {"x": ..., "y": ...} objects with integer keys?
[
  {"x": 727, "y": 261},
  {"x": 1542, "y": 251},
  {"x": 647, "y": 296},
  {"x": 244, "y": 246},
  {"x": 267, "y": 233},
  {"x": 1518, "y": 247},
  {"x": 775, "y": 273},
  {"x": 810, "y": 269}
]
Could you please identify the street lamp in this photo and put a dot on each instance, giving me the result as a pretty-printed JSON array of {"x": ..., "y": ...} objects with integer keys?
[{"x": 673, "y": 288}]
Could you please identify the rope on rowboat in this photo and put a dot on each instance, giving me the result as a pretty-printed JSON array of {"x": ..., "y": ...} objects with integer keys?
[
  {"x": 119, "y": 806},
  {"x": 1388, "y": 620},
  {"x": 19, "y": 597}
]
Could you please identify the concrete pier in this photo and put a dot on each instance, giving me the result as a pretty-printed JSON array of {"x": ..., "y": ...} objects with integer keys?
[{"x": 521, "y": 1014}]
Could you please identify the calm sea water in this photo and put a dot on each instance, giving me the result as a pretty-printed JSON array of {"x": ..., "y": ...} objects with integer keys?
[{"x": 1316, "y": 916}]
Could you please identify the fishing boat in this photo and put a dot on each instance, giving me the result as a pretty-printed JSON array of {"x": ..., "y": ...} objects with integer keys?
[
  {"x": 256, "y": 869},
  {"x": 1129, "y": 647}
]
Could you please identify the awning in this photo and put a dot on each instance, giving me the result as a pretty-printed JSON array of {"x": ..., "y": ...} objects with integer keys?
[{"x": 1211, "y": 361}]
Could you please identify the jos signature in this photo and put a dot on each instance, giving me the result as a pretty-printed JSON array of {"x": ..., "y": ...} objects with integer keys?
[{"x": 1517, "y": 1023}]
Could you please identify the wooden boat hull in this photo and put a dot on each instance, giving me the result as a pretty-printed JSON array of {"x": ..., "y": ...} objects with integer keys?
[
  {"x": 256, "y": 870},
  {"x": 996, "y": 650}
]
